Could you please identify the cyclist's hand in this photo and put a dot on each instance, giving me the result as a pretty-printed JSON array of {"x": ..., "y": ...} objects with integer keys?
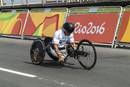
[
  {"x": 58, "y": 52},
  {"x": 74, "y": 46},
  {"x": 61, "y": 57}
]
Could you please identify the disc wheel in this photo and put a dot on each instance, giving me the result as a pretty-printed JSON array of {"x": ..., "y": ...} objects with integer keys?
[
  {"x": 86, "y": 54},
  {"x": 47, "y": 42},
  {"x": 37, "y": 52}
]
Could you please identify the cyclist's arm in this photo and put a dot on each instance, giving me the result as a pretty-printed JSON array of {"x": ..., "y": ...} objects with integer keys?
[
  {"x": 72, "y": 41},
  {"x": 58, "y": 52},
  {"x": 56, "y": 42}
]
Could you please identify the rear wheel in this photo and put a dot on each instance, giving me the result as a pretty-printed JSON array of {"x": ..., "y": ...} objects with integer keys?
[
  {"x": 86, "y": 54},
  {"x": 47, "y": 42},
  {"x": 48, "y": 50},
  {"x": 37, "y": 52}
]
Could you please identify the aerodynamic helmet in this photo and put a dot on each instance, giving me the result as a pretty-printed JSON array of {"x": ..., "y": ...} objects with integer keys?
[{"x": 69, "y": 27}]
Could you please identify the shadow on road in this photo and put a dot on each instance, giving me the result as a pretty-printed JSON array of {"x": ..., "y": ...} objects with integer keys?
[{"x": 55, "y": 64}]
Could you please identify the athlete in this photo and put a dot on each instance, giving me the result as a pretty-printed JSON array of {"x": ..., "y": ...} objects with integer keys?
[{"x": 61, "y": 37}]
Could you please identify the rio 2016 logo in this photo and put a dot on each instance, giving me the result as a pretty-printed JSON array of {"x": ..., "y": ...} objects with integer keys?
[{"x": 89, "y": 29}]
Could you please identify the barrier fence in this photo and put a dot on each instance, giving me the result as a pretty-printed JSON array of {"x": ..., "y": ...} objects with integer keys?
[
  {"x": 32, "y": 23},
  {"x": 95, "y": 25},
  {"x": 11, "y": 23},
  {"x": 124, "y": 30},
  {"x": 102, "y": 25},
  {"x": 44, "y": 23}
]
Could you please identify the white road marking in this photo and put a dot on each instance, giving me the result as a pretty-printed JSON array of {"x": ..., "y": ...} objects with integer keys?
[
  {"x": 34, "y": 76},
  {"x": 17, "y": 72}
]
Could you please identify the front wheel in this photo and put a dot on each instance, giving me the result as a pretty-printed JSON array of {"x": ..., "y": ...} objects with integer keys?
[{"x": 86, "y": 54}]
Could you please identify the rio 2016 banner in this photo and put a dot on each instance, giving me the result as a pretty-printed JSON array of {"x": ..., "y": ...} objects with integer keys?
[
  {"x": 37, "y": 23},
  {"x": 124, "y": 31},
  {"x": 98, "y": 28},
  {"x": 44, "y": 23},
  {"x": 12, "y": 23}
]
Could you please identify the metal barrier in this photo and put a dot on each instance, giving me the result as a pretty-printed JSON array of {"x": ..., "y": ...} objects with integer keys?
[
  {"x": 98, "y": 24},
  {"x": 124, "y": 30},
  {"x": 12, "y": 22},
  {"x": 91, "y": 22},
  {"x": 101, "y": 25},
  {"x": 36, "y": 22}
]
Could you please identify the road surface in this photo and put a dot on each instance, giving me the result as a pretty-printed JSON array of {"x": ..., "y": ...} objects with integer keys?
[{"x": 16, "y": 70}]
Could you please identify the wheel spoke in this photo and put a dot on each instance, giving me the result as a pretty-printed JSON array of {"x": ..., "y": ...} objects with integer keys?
[{"x": 36, "y": 52}]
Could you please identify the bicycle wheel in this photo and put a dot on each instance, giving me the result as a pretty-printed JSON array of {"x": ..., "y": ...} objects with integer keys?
[
  {"x": 86, "y": 54},
  {"x": 47, "y": 41},
  {"x": 37, "y": 52}
]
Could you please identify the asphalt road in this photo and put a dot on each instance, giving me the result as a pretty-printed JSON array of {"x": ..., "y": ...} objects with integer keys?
[{"x": 16, "y": 70}]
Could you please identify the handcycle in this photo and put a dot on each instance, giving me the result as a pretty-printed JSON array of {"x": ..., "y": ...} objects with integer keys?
[{"x": 85, "y": 52}]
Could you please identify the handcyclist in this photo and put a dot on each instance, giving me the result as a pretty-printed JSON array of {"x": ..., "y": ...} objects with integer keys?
[{"x": 61, "y": 37}]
